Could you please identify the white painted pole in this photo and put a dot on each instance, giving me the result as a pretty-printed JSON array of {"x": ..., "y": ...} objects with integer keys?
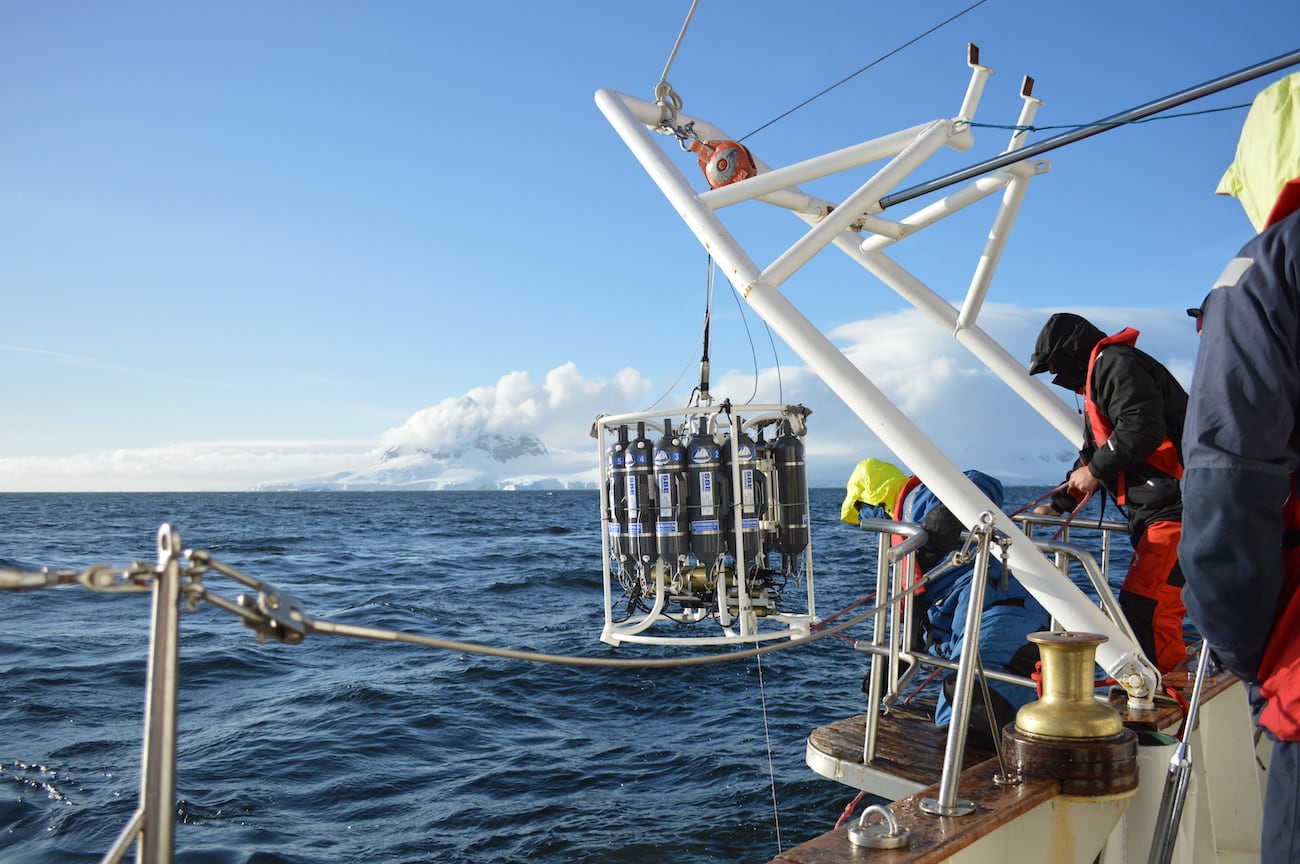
[
  {"x": 1002, "y": 223},
  {"x": 1119, "y": 656}
]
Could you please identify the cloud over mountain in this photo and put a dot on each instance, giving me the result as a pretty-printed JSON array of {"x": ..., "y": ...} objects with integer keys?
[{"x": 523, "y": 433}]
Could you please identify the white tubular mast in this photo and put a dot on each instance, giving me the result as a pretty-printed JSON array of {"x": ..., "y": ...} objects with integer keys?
[{"x": 838, "y": 225}]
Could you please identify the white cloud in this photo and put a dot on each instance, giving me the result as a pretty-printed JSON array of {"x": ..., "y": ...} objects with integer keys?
[
  {"x": 558, "y": 411},
  {"x": 209, "y": 466},
  {"x": 970, "y": 414}
]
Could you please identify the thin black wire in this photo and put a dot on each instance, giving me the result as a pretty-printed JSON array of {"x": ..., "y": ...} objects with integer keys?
[
  {"x": 776, "y": 362},
  {"x": 674, "y": 385},
  {"x": 875, "y": 62},
  {"x": 749, "y": 336},
  {"x": 1014, "y": 128},
  {"x": 753, "y": 352}
]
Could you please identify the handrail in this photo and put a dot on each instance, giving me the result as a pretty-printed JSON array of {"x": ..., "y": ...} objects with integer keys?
[
  {"x": 894, "y": 568},
  {"x": 888, "y": 560},
  {"x": 948, "y": 804}
]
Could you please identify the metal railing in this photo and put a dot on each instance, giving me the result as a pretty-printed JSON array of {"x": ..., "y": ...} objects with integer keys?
[{"x": 895, "y": 662}]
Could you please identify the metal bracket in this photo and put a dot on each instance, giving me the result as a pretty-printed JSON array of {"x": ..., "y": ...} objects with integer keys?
[
  {"x": 282, "y": 616},
  {"x": 889, "y": 835}
]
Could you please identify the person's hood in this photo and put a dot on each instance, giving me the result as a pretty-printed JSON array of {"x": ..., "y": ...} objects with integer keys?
[
  {"x": 873, "y": 481},
  {"x": 1065, "y": 344},
  {"x": 1265, "y": 175}
]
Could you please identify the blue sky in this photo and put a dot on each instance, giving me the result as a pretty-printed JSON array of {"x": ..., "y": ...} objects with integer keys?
[{"x": 243, "y": 242}]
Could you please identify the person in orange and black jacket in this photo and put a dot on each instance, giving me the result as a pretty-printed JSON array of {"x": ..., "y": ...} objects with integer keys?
[{"x": 1134, "y": 410}]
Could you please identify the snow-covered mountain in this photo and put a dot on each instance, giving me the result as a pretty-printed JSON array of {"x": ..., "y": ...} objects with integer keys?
[{"x": 487, "y": 461}]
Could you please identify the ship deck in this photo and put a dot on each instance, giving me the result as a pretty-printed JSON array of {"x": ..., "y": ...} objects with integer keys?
[{"x": 909, "y": 761}]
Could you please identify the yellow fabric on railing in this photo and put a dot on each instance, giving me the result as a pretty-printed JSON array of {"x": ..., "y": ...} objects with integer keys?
[{"x": 873, "y": 481}]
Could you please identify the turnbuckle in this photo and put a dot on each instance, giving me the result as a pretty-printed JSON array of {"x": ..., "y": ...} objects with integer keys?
[
  {"x": 272, "y": 613},
  {"x": 280, "y": 616}
]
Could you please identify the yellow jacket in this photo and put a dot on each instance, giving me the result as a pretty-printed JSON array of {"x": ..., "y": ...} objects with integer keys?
[{"x": 873, "y": 481}]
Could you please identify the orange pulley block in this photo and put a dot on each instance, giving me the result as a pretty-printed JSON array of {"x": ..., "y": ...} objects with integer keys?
[{"x": 724, "y": 162}]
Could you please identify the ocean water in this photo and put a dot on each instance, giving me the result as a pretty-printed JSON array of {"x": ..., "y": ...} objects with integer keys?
[{"x": 342, "y": 750}]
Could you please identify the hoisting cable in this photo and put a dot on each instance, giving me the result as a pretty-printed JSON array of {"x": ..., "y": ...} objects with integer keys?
[
  {"x": 875, "y": 62},
  {"x": 776, "y": 364},
  {"x": 665, "y": 96},
  {"x": 705, "y": 339},
  {"x": 702, "y": 392}
]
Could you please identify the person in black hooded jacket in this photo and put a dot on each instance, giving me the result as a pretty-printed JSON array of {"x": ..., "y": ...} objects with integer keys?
[{"x": 1134, "y": 410}]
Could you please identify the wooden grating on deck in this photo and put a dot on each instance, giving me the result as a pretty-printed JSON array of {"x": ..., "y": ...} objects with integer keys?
[{"x": 909, "y": 744}]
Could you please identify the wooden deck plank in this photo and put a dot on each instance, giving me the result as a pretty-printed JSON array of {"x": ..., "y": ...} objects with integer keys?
[{"x": 934, "y": 838}]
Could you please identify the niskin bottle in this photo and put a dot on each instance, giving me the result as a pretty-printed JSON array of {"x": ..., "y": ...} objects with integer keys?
[
  {"x": 751, "y": 495},
  {"x": 792, "y": 531},
  {"x": 639, "y": 484},
  {"x": 670, "y": 476},
  {"x": 617, "y": 492},
  {"x": 706, "y": 495}
]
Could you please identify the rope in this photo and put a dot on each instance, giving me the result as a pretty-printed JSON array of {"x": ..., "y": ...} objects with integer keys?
[
  {"x": 1036, "y": 501},
  {"x": 823, "y": 622},
  {"x": 104, "y": 579},
  {"x": 1174, "y": 694},
  {"x": 1068, "y": 519},
  {"x": 771, "y": 768},
  {"x": 331, "y": 628},
  {"x": 916, "y": 691},
  {"x": 749, "y": 337},
  {"x": 849, "y": 608},
  {"x": 848, "y": 811},
  {"x": 875, "y": 62},
  {"x": 1078, "y": 508}
]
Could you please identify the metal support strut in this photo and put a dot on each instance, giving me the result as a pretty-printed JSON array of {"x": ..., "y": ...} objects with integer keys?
[{"x": 153, "y": 824}]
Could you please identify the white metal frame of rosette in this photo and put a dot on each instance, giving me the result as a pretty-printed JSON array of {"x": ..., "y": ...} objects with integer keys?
[
  {"x": 844, "y": 225},
  {"x": 733, "y": 608}
]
